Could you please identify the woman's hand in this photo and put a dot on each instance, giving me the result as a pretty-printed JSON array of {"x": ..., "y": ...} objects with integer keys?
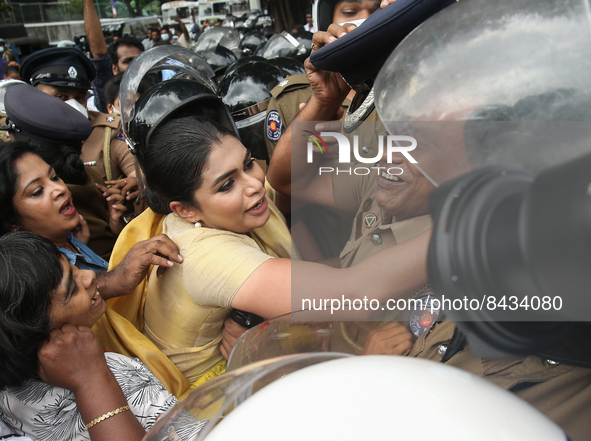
[
  {"x": 72, "y": 358},
  {"x": 82, "y": 232},
  {"x": 230, "y": 335},
  {"x": 125, "y": 277}
]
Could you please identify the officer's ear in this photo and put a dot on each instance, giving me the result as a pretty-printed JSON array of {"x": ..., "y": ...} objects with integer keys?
[
  {"x": 189, "y": 214},
  {"x": 115, "y": 69}
]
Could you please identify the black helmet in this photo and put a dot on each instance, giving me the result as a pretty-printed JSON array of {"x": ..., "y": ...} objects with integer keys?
[
  {"x": 246, "y": 91},
  {"x": 239, "y": 23},
  {"x": 243, "y": 60},
  {"x": 228, "y": 22},
  {"x": 183, "y": 61},
  {"x": 220, "y": 36},
  {"x": 252, "y": 18},
  {"x": 219, "y": 59},
  {"x": 322, "y": 13},
  {"x": 265, "y": 24},
  {"x": 289, "y": 65},
  {"x": 287, "y": 45},
  {"x": 174, "y": 97},
  {"x": 251, "y": 41}
]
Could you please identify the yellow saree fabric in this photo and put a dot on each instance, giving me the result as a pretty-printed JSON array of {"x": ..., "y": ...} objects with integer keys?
[{"x": 119, "y": 329}]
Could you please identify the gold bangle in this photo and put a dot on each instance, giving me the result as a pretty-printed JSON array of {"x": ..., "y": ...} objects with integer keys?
[{"x": 107, "y": 415}]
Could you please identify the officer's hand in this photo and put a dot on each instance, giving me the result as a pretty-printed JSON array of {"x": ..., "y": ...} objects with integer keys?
[
  {"x": 71, "y": 358},
  {"x": 82, "y": 232},
  {"x": 230, "y": 335},
  {"x": 333, "y": 33},
  {"x": 117, "y": 208},
  {"x": 129, "y": 187},
  {"x": 328, "y": 88},
  {"x": 391, "y": 339}
]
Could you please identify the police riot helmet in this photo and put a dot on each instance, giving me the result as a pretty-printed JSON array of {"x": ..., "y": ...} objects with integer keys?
[
  {"x": 289, "y": 65},
  {"x": 265, "y": 24},
  {"x": 246, "y": 91},
  {"x": 239, "y": 22},
  {"x": 219, "y": 58},
  {"x": 505, "y": 137},
  {"x": 332, "y": 384},
  {"x": 243, "y": 60},
  {"x": 173, "y": 59},
  {"x": 172, "y": 98},
  {"x": 296, "y": 46},
  {"x": 251, "y": 41},
  {"x": 228, "y": 22},
  {"x": 251, "y": 19},
  {"x": 220, "y": 36},
  {"x": 322, "y": 13}
]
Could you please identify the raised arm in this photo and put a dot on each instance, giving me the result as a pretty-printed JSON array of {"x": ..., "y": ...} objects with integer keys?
[
  {"x": 94, "y": 31},
  {"x": 72, "y": 358},
  {"x": 289, "y": 172}
]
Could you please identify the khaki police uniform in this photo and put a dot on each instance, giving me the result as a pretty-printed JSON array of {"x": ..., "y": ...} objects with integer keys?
[
  {"x": 283, "y": 107},
  {"x": 92, "y": 205},
  {"x": 560, "y": 391},
  {"x": 373, "y": 230},
  {"x": 106, "y": 141},
  {"x": 328, "y": 228}
]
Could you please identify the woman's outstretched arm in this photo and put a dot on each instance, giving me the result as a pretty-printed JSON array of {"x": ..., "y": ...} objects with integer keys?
[{"x": 393, "y": 273}]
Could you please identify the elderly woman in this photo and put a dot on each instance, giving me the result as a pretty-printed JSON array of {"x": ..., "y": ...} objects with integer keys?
[{"x": 55, "y": 381}]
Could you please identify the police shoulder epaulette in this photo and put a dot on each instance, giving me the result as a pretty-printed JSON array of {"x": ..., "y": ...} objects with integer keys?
[
  {"x": 290, "y": 83},
  {"x": 103, "y": 119}
]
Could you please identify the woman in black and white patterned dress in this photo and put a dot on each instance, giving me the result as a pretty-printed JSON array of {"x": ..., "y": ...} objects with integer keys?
[{"x": 55, "y": 381}]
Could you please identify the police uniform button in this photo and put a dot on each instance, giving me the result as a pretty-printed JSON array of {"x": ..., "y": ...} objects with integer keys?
[
  {"x": 442, "y": 349},
  {"x": 365, "y": 149},
  {"x": 376, "y": 239},
  {"x": 552, "y": 363}
]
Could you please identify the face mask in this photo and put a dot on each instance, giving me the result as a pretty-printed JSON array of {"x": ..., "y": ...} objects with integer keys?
[
  {"x": 1, "y": 49},
  {"x": 165, "y": 37},
  {"x": 116, "y": 111},
  {"x": 355, "y": 22},
  {"x": 79, "y": 107}
]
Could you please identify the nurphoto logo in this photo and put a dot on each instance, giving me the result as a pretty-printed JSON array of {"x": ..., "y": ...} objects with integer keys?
[{"x": 392, "y": 144}]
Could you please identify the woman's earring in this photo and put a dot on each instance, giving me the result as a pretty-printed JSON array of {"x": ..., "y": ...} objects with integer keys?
[{"x": 197, "y": 224}]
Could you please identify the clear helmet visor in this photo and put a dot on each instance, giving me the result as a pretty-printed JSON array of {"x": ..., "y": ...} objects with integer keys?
[
  {"x": 183, "y": 62},
  {"x": 223, "y": 36},
  {"x": 492, "y": 83}
]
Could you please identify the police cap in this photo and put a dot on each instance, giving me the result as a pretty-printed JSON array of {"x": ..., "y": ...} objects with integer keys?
[
  {"x": 60, "y": 66},
  {"x": 48, "y": 119},
  {"x": 359, "y": 55}
]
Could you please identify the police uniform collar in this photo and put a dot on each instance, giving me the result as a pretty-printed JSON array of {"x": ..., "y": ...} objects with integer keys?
[{"x": 103, "y": 119}]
